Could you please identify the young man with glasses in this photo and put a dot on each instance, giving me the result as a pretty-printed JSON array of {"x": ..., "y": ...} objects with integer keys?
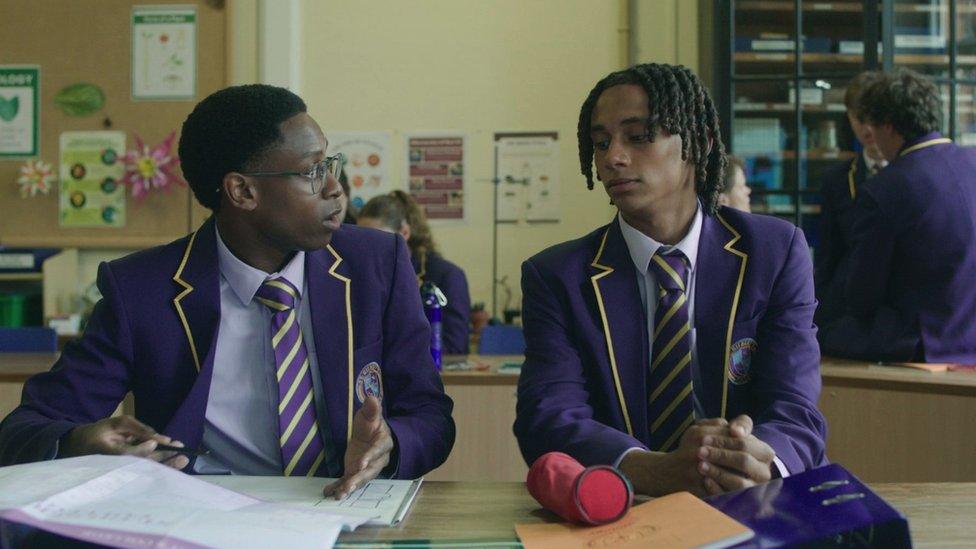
[{"x": 269, "y": 338}]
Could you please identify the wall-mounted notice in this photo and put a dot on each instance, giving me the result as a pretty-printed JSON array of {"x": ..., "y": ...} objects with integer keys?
[
  {"x": 367, "y": 163},
  {"x": 528, "y": 176},
  {"x": 19, "y": 111},
  {"x": 92, "y": 194},
  {"x": 435, "y": 164},
  {"x": 164, "y": 52}
]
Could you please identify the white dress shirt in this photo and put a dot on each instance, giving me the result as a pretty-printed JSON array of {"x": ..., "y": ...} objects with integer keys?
[{"x": 241, "y": 425}]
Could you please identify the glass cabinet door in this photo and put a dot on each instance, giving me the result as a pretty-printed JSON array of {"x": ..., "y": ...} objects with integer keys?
[
  {"x": 764, "y": 37},
  {"x": 764, "y": 138},
  {"x": 921, "y": 36},
  {"x": 833, "y": 36}
]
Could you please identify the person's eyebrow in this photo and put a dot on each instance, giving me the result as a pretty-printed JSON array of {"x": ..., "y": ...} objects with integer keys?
[{"x": 625, "y": 122}]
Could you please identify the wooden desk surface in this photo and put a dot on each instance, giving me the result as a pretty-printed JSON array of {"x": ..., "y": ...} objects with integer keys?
[{"x": 939, "y": 514}]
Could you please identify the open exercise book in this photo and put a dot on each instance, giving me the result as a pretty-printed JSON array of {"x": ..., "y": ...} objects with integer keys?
[
  {"x": 381, "y": 502},
  {"x": 124, "y": 501}
]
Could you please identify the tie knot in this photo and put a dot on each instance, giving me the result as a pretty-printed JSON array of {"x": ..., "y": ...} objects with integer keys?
[
  {"x": 278, "y": 294},
  {"x": 670, "y": 268}
]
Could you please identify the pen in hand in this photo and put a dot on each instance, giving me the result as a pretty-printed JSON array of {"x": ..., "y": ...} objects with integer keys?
[{"x": 179, "y": 450}]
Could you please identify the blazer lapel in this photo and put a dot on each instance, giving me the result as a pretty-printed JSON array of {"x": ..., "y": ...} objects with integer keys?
[
  {"x": 624, "y": 322},
  {"x": 720, "y": 271},
  {"x": 197, "y": 304},
  {"x": 329, "y": 288}
]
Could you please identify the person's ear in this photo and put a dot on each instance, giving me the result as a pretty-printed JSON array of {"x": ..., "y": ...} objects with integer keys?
[
  {"x": 405, "y": 230},
  {"x": 240, "y": 191}
]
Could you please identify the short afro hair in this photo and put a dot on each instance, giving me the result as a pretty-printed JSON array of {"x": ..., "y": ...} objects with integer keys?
[
  {"x": 230, "y": 129},
  {"x": 679, "y": 104},
  {"x": 905, "y": 99}
]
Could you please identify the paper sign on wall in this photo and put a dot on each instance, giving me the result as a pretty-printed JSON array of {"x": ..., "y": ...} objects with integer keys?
[
  {"x": 164, "y": 52},
  {"x": 19, "y": 110},
  {"x": 436, "y": 168},
  {"x": 367, "y": 163},
  {"x": 528, "y": 176},
  {"x": 92, "y": 194}
]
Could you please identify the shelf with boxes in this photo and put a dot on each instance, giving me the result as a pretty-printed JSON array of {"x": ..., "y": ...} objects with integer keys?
[{"x": 36, "y": 285}]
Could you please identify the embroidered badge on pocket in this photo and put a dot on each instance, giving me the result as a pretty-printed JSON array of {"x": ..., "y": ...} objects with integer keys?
[
  {"x": 369, "y": 382},
  {"x": 740, "y": 360}
]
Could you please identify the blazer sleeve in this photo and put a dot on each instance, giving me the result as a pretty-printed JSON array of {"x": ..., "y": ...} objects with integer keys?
[
  {"x": 553, "y": 412},
  {"x": 454, "y": 328},
  {"x": 416, "y": 407},
  {"x": 86, "y": 384},
  {"x": 786, "y": 383}
]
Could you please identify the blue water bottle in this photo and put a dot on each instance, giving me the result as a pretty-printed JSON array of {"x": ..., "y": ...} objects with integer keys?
[{"x": 434, "y": 302}]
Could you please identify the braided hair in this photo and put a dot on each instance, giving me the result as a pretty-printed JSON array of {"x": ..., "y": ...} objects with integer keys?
[{"x": 679, "y": 104}]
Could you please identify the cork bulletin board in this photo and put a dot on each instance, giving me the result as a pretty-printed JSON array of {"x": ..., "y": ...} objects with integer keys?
[{"x": 90, "y": 41}]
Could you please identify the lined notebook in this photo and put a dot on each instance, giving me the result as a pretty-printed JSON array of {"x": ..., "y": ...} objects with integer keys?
[{"x": 674, "y": 521}]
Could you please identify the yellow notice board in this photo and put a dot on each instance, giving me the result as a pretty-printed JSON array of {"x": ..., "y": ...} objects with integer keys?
[{"x": 74, "y": 42}]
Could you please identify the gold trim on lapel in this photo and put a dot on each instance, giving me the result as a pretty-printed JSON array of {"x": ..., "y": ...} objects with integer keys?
[
  {"x": 606, "y": 329},
  {"x": 924, "y": 144},
  {"x": 735, "y": 306},
  {"x": 850, "y": 178},
  {"x": 187, "y": 289},
  {"x": 347, "y": 282},
  {"x": 423, "y": 268}
]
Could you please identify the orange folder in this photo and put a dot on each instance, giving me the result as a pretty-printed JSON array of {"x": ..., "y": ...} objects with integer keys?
[{"x": 676, "y": 520}]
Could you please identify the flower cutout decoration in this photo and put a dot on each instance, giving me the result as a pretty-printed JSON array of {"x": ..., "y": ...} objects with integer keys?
[
  {"x": 148, "y": 168},
  {"x": 36, "y": 177}
]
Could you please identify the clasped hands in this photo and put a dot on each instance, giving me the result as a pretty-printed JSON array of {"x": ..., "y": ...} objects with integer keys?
[{"x": 714, "y": 456}]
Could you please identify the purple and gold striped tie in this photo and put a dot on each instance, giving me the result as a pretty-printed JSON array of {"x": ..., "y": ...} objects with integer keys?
[
  {"x": 671, "y": 409},
  {"x": 302, "y": 452}
]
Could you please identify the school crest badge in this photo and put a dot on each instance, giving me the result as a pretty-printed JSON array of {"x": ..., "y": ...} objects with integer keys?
[
  {"x": 369, "y": 382},
  {"x": 740, "y": 360}
]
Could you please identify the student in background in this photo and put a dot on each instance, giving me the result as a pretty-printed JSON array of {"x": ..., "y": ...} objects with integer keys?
[
  {"x": 839, "y": 187},
  {"x": 737, "y": 191},
  {"x": 398, "y": 212},
  {"x": 911, "y": 291},
  {"x": 280, "y": 343},
  {"x": 676, "y": 341},
  {"x": 348, "y": 210}
]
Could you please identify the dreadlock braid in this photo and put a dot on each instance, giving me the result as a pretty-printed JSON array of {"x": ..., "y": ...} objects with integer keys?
[{"x": 678, "y": 104}]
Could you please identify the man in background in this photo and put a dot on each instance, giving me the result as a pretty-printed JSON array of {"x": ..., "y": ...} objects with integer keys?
[
  {"x": 911, "y": 291},
  {"x": 840, "y": 185}
]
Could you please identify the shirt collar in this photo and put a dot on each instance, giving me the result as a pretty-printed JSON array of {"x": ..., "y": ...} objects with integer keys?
[
  {"x": 245, "y": 280},
  {"x": 871, "y": 163},
  {"x": 642, "y": 247}
]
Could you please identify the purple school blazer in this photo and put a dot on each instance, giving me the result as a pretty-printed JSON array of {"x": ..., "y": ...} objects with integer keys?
[
  {"x": 584, "y": 386},
  {"x": 155, "y": 329}
]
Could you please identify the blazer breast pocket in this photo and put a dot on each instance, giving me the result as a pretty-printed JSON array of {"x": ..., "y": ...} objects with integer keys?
[
  {"x": 367, "y": 363},
  {"x": 744, "y": 346}
]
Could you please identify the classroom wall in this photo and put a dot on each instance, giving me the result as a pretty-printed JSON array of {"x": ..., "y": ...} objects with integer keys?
[{"x": 479, "y": 67}]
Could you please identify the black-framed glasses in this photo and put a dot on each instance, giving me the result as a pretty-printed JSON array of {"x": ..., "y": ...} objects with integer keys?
[{"x": 316, "y": 175}]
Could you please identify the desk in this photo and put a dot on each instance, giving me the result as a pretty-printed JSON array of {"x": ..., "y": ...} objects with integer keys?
[
  {"x": 885, "y": 424},
  {"x": 939, "y": 515},
  {"x": 889, "y": 424}
]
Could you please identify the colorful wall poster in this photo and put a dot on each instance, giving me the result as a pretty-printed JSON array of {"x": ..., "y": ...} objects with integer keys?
[
  {"x": 367, "y": 163},
  {"x": 19, "y": 110},
  {"x": 528, "y": 176},
  {"x": 92, "y": 194},
  {"x": 164, "y": 52},
  {"x": 435, "y": 164}
]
